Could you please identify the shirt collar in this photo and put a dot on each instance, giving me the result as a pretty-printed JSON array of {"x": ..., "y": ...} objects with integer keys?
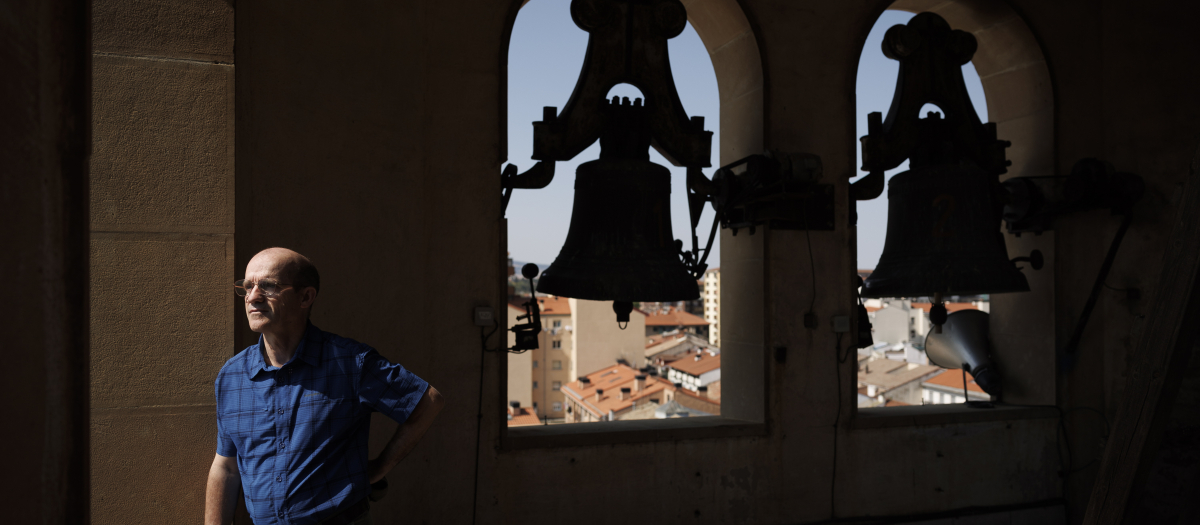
[{"x": 309, "y": 351}]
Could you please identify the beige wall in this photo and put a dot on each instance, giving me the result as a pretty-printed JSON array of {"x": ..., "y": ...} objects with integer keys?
[
  {"x": 712, "y": 305},
  {"x": 369, "y": 137},
  {"x": 544, "y": 374},
  {"x": 162, "y": 223},
  {"x": 597, "y": 340}
]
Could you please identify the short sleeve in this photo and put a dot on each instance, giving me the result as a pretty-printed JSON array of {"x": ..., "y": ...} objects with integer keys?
[
  {"x": 389, "y": 388},
  {"x": 225, "y": 446}
]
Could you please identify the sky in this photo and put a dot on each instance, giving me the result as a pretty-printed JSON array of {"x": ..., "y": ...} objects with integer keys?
[{"x": 545, "y": 56}]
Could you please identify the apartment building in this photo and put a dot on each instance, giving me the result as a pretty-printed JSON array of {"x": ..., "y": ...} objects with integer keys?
[{"x": 712, "y": 304}]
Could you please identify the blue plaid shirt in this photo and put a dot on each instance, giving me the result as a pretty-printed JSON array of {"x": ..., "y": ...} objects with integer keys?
[{"x": 300, "y": 431}]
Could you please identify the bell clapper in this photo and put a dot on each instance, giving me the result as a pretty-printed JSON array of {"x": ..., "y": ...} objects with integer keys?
[
  {"x": 938, "y": 314},
  {"x": 622, "y": 309}
]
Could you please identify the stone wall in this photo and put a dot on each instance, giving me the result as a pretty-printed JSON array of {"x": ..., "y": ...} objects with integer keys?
[{"x": 162, "y": 224}]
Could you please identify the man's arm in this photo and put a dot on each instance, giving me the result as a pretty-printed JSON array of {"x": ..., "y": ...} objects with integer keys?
[
  {"x": 223, "y": 483},
  {"x": 407, "y": 436}
]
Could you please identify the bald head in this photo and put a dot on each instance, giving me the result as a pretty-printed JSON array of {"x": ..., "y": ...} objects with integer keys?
[{"x": 290, "y": 266}]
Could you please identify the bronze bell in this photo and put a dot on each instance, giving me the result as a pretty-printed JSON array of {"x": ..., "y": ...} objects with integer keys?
[
  {"x": 943, "y": 236},
  {"x": 620, "y": 246},
  {"x": 944, "y": 213}
]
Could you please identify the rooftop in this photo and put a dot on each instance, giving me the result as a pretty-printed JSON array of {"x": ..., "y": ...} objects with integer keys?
[
  {"x": 611, "y": 380},
  {"x": 697, "y": 363},
  {"x": 526, "y": 417},
  {"x": 888, "y": 374},
  {"x": 658, "y": 339},
  {"x": 954, "y": 379},
  {"x": 554, "y": 305},
  {"x": 674, "y": 317}
]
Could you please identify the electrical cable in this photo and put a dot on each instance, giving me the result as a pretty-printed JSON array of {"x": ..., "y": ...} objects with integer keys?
[
  {"x": 812, "y": 265},
  {"x": 479, "y": 428},
  {"x": 483, "y": 337},
  {"x": 837, "y": 352},
  {"x": 1077, "y": 335}
]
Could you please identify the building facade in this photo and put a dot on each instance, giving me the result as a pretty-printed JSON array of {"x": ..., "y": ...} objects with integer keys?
[
  {"x": 535, "y": 376},
  {"x": 712, "y": 304}
]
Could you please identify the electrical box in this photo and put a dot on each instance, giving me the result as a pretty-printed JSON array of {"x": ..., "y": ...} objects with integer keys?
[
  {"x": 485, "y": 316},
  {"x": 841, "y": 323}
]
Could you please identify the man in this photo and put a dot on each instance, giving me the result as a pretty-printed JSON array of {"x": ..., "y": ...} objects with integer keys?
[{"x": 293, "y": 411}]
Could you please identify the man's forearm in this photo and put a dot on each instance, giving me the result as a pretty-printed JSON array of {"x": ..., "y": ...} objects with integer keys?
[
  {"x": 221, "y": 496},
  {"x": 407, "y": 436}
]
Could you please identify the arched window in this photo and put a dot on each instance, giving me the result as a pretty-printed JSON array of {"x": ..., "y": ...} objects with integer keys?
[
  {"x": 546, "y": 53},
  {"x": 1009, "y": 84},
  {"x": 544, "y": 58}
]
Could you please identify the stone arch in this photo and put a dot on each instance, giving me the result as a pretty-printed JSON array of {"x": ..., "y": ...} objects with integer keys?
[
  {"x": 726, "y": 32},
  {"x": 1016, "y": 78}
]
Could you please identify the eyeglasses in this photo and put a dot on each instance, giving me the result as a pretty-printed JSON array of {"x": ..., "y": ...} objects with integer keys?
[{"x": 267, "y": 287}]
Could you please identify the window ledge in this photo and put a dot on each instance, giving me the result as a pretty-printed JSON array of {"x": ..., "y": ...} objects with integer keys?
[
  {"x": 635, "y": 431},
  {"x": 936, "y": 415}
]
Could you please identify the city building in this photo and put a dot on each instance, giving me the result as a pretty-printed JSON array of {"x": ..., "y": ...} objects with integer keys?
[
  {"x": 701, "y": 402},
  {"x": 598, "y": 341},
  {"x": 695, "y": 369},
  {"x": 620, "y": 392},
  {"x": 712, "y": 304},
  {"x": 535, "y": 376},
  {"x": 886, "y": 379},
  {"x": 576, "y": 335},
  {"x": 674, "y": 320},
  {"x": 947, "y": 388},
  {"x": 665, "y": 348},
  {"x": 615, "y": 392},
  {"x": 519, "y": 416}
]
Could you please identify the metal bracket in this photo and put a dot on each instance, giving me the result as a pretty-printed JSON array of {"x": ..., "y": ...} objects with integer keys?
[{"x": 777, "y": 190}]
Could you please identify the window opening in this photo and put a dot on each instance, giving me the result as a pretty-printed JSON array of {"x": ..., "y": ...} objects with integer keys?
[
  {"x": 896, "y": 371},
  {"x": 545, "y": 55}
]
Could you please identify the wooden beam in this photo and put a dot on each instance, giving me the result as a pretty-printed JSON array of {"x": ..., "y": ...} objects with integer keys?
[{"x": 1161, "y": 351}]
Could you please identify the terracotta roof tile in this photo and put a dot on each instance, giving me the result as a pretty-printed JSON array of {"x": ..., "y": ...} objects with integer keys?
[
  {"x": 525, "y": 418},
  {"x": 675, "y": 317},
  {"x": 553, "y": 305},
  {"x": 954, "y": 380},
  {"x": 688, "y": 363},
  {"x": 689, "y": 393},
  {"x": 611, "y": 380}
]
